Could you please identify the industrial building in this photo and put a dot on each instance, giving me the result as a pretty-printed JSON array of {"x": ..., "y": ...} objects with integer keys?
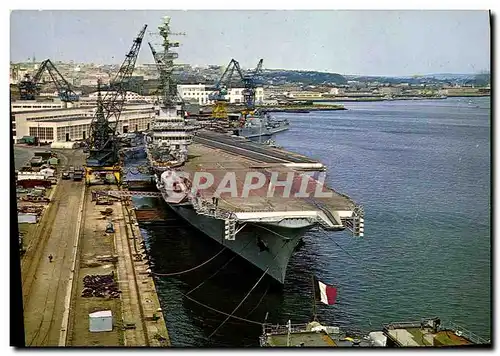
[{"x": 71, "y": 124}]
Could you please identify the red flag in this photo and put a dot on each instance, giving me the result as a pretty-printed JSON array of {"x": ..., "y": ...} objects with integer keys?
[{"x": 325, "y": 293}]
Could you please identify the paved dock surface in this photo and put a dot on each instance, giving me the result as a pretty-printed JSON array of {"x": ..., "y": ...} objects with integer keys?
[
  {"x": 72, "y": 229},
  {"x": 152, "y": 317},
  {"x": 45, "y": 283},
  {"x": 95, "y": 245},
  {"x": 121, "y": 252}
]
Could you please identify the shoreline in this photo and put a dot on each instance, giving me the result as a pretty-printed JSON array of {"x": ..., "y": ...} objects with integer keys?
[
  {"x": 304, "y": 109},
  {"x": 317, "y": 105}
]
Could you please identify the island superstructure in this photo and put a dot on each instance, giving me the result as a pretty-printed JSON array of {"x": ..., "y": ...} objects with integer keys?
[
  {"x": 167, "y": 141},
  {"x": 261, "y": 227}
]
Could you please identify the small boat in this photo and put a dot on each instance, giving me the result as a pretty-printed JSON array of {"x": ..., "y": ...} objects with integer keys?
[
  {"x": 428, "y": 332},
  {"x": 312, "y": 334}
]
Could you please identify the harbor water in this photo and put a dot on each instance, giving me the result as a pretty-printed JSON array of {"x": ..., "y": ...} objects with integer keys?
[{"x": 421, "y": 170}]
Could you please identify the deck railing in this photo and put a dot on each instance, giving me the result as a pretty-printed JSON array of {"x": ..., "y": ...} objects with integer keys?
[
  {"x": 461, "y": 331},
  {"x": 447, "y": 325}
]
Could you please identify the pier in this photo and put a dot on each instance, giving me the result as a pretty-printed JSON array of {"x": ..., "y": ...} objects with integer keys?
[{"x": 99, "y": 263}]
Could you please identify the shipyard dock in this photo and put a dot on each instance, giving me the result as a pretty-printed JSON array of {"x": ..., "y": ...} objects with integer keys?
[{"x": 98, "y": 265}]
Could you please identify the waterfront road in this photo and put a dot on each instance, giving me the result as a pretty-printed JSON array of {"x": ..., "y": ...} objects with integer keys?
[{"x": 45, "y": 283}]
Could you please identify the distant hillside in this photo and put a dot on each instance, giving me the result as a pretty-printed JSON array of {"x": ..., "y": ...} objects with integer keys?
[
  {"x": 452, "y": 76},
  {"x": 444, "y": 78},
  {"x": 281, "y": 76}
]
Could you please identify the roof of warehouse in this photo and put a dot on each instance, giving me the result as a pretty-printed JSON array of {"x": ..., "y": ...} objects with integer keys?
[
  {"x": 66, "y": 109},
  {"x": 48, "y": 109}
]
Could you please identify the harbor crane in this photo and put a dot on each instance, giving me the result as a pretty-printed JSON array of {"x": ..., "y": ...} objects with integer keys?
[
  {"x": 221, "y": 89},
  {"x": 29, "y": 87},
  {"x": 250, "y": 82},
  {"x": 155, "y": 56},
  {"x": 102, "y": 143}
]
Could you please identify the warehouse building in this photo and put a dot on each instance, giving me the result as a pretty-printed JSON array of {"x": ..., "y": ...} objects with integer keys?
[{"x": 73, "y": 124}]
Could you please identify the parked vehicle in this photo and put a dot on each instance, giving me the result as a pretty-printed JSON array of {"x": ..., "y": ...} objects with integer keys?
[{"x": 78, "y": 174}]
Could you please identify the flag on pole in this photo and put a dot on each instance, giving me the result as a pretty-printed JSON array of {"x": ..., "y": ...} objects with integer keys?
[{"x": 325, "y": 293}]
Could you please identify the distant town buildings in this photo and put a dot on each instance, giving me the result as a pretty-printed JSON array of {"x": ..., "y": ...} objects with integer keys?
[{"x": 50, "y": 120}]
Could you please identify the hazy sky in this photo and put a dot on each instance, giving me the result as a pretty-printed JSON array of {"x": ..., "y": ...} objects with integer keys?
[{"x": 347, "y": 42}]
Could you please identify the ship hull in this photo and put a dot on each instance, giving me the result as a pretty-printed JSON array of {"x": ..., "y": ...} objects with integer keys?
[
  {"x": 256, "y": 132},
  {"x": 266, "y": 247}
]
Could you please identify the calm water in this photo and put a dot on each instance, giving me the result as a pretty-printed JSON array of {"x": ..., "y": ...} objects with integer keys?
[{"x": 421, "y": 169}]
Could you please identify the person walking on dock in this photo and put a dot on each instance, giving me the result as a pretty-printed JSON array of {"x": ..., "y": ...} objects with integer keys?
[{"x": 50, "y": 258}]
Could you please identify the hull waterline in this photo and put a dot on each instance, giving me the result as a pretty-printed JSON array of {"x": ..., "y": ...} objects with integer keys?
[{"x": 266, "y": 247}]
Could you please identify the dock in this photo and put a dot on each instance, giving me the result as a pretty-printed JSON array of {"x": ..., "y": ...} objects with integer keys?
[{"x": 94, "y": 268}]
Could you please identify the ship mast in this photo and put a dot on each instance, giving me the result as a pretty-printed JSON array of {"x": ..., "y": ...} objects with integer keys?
[
  {"x": 169, "y": 136},
  {"x": 165, "y": 63}
]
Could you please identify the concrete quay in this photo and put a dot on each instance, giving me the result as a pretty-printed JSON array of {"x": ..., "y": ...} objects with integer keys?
[{"x": 56, "y": 302}]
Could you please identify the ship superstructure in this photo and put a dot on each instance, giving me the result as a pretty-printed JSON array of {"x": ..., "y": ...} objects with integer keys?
[
  {"x": 261, "y": 125},
  {"x": 169, "y": 136}
]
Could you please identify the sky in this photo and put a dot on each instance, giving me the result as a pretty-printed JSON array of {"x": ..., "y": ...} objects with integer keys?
[{"x": 349, "y": 42}]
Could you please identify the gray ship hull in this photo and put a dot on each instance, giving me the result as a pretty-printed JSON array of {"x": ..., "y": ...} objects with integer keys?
[
  {"x": 262, "y": 245},
  {"x": 252, "y": 132}
]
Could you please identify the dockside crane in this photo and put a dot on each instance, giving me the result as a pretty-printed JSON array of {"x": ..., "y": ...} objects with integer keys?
[
  {"x": 155, "y": 56},
  {"x": 159, "y": 65},
  {"x": 102, "y": 143},
  {"x": 115, "y": 98},
  {"x": 250, "y": 82},
  {"x": 221, "y": 87},
  {"x": 29, "y": 87},
  {"x": 220, "y": 90}
]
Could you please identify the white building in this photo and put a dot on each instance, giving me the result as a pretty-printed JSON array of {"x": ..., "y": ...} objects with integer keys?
[
  {"x": 194, "y": 92},
  {"x": 70, "y": 124},
  {"x": 334, "y": 91},
  {"x": 200, "y": 93}
]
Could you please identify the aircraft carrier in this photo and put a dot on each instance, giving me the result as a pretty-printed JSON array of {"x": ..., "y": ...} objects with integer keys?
[{"x": 263, "y": 223}]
